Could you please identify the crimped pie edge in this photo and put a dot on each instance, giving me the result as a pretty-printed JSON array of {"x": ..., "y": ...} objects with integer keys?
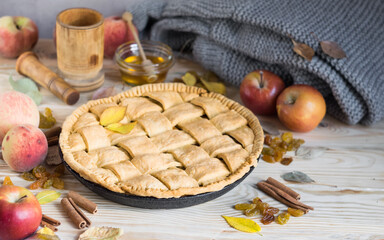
[{"x": 253, "y": 123}]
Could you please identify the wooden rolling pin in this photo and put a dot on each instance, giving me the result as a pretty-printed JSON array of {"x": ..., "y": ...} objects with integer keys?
[{"x": 29, "y": 65}]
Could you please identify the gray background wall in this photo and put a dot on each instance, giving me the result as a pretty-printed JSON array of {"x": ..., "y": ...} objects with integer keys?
[{"x": 43, "y": 12}]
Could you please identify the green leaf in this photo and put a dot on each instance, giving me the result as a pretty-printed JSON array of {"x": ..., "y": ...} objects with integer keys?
[
  {"x": 47, "y": 196},
  {"x": 243, "y": 224},
  {"x": 28, "y": 87},
  {"x": 297, "y": 176}
]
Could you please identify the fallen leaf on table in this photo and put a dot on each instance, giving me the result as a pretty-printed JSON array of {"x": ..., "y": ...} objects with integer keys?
[
  {"x": 310, "y": 152},
  {"x": 47, "y": 196},
  {"x": 269, "y": 127},
  {"x": 243, "y": 224},
  {"x": 105, "y": 233},
  {"x": 104, "y": 92},
  {"x": 28, "y": 87},
  {"x": 217, "y": 87},
  {"x": 189, "y": 79},
  {"x": 297, "y": 176},
  {"x": 303, "y": 50},
  {"x": 121, "y": 128},
  {"x": 112, "y": 115}
]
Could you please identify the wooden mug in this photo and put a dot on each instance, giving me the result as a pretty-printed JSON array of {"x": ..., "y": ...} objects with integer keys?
[{"x": 80, "y": 47}]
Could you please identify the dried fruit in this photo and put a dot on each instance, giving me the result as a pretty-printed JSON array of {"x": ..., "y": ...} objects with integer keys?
[
  {"x": 286, "y": 161},
  {"x": 28, "y": 176},
  {"x": 39, "y": 171},
  {"x": 243, "y": 224},
  {"x": 262, "y": 206},
  {"x": 283, "y": 218},
  {"x": 295, "y": 212},
  {"x": 47, "y": 184},
  {"x": 47, "y": 120},
  {"x": 244, "y": 206},
  {"x": 34, "y": 185},
  {"x": 57, "y": 183},
  {"x": 251, "y": 212},
  {"x": 278, "y": 147},
  {"x": 267, "y": 219},
  {"x": 7, "y": 181},
  {"x": 112, "y": 115},
  {"x": 271, "y": 210},
  {"x": 256, "y": 200}
]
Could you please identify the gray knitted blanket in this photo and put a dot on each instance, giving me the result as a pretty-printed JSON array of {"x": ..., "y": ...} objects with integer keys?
[{"x": 235, "y": 37}]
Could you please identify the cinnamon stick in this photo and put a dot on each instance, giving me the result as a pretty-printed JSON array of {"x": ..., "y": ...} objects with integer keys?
[
  {"x": 53, "y": 132},
  {"x": 51, "y": 221},
  {"x": 75, "y": 214},
  {"x": 287, "y": 196},
  {"x": 83, "y": 202},
  {"x": 46, "y": 224},
  {"x": 265, "y": 188},
  {"x": 284, "y": 188},
  {"x": 53, "y": 141}
]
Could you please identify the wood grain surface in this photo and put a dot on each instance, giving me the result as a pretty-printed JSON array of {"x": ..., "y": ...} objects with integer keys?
[{"x": 348, "y": 195}]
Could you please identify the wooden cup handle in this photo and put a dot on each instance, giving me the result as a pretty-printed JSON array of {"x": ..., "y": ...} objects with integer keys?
[{"x": 29, "y": 65}]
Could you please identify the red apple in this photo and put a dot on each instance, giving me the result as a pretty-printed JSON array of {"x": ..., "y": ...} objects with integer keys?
[
  {"x": 259, "y": 91},
  {"x": 17, "y": 35},
  {"x": 20, "y": 213},
  {"x": 300, "y": 107},
  {"x": 116, "y": 32}
]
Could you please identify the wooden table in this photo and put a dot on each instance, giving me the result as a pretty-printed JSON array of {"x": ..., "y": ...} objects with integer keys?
[{"x": 348, "y": 194}]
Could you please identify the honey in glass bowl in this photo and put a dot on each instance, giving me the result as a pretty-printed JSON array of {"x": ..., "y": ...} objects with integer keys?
[{"x": 128, "y": 59}]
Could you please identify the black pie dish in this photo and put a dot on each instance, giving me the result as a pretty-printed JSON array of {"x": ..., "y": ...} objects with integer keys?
[{"x": 152, "y": 202}]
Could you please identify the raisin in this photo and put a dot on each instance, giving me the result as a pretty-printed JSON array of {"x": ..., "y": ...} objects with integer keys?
[
  {"x": 283, "y": 218},
  {"x": 34, "y": 185},
  {"x": 286, "y": 161},
  {"x": 47, "y": 120},
  {"x": 7, "y": 181},
  {"x": 295, "y": 212},
  {"x": 267, "y": 219},
  {"x": 57, "y": 183},
  {"x": 278, "y": 156},
  {"x": 270, "y": 210},
  {"x": 59, "y": 170},
  {"x": 287, "y": 137},
  {"x": 251, "y": 212},
  {"x": 47, "y": 183},
  {"x": 38, "y": 171},
  {"x": 262, "y": 206},
  {"x": 267, "y": 140},
  {"x": 256, "y": 200},
  {"x": 268, "y": 159},
  {"x": 244, "y": 206},
  {"x": 28, "y": 176},
  {"x": 268, "y": 151}
]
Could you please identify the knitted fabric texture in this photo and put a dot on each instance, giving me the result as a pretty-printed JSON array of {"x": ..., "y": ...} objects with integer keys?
[{"x": 235, "y": 37}]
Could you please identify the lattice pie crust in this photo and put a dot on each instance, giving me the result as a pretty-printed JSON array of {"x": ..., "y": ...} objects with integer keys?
[{"x": 186, "y": 141}]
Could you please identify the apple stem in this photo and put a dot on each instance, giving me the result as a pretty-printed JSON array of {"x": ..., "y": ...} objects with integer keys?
[
  {"x": 261, "y": 79},
  {"x": 21, "y": 198}
]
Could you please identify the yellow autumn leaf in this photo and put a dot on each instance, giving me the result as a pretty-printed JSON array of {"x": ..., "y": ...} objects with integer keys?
[
  {"x": 189, "y": 79},
  {"x": 243, "y": 224},
  {"x": 217, "y": 87},
  {"x": 121, "y": 128},
  {"x": 47, "y": 196},
  {"x": 46, "y": 231},
  {"x": 112, "y": 115}
]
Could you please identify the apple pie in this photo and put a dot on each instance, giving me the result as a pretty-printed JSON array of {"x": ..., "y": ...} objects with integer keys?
[{"x": 185, "y": 141}]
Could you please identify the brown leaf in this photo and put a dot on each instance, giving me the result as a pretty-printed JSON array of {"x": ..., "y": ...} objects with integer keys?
[
  {"x": 332, "y": 49},
  {"x": 303, "y": 50}
]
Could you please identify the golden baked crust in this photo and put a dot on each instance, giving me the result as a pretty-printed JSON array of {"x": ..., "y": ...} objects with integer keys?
[{"x": 159, "y": 161}]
